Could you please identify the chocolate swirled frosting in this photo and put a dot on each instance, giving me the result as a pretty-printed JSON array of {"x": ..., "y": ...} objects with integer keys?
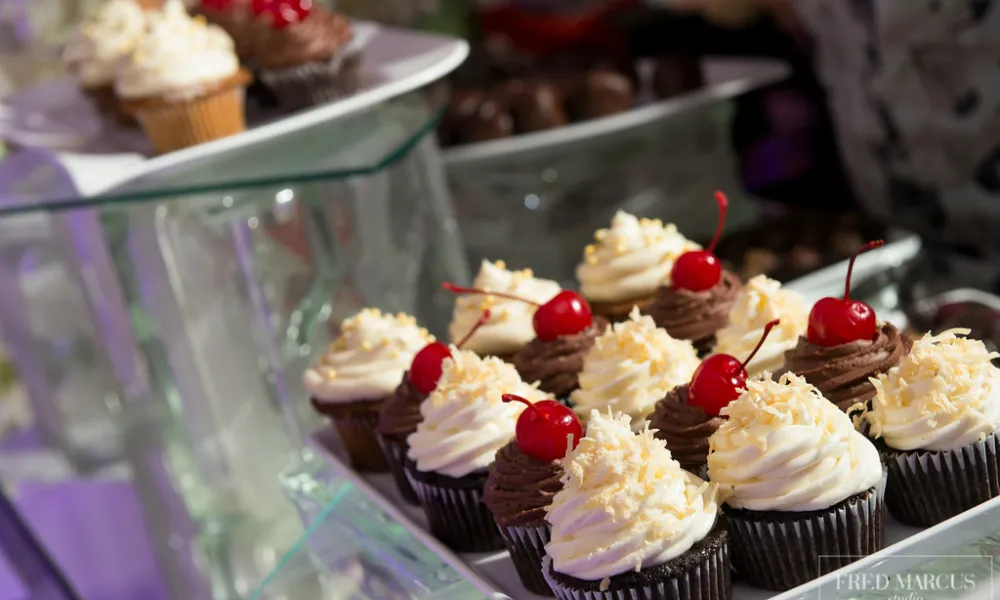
[
  {"x": 520, "y": 487},
  {"x": 684, "y": 427},
  {"x": 400, "y": 413},
  {"x": 841, "y": 372},
  {"x": 556, "y": 365},
  {"x": 318, "y": 37},
  {"x": 695, "y": 316}
]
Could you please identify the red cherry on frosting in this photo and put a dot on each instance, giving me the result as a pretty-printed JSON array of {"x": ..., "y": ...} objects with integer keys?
[
  {"x": 567, "y": 313},
  {"x": 835, "y": 321},
  {"x": 425, "y": 370},
  {"x": 719, "y": 379},
  {"x": 543, "y": 427},
  {"x": 700, "y": 270},
  {"x": 282, "y": 13}
]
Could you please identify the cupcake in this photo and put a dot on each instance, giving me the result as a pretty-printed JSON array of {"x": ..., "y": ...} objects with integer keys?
[
  {"x": 630, "y": 523},
  {"x": 761, "y": 301},
  {"x": 465, "y": 422},
  {"x": 845, "y": 346},
  {"x": 304, "y": 53},
  {"x": 631, "y": 366},
  {"x": 235, "y": 18},
  {"x": 512, "y": 304},
  {"x": 935, "y": 418},
  {"x": 804, "y": 488},
  {"x": 99, "y": 45},
  {"x": 183, "y": 82},
  {"x": 525, "y": 476},
  {"x": 358, "y": 373},
  {"x": 397, "y": 419},
  {"x": 627, "y": 263},
  {"x": 693, "y": 303},
  {"x": 556, "y": 364}
]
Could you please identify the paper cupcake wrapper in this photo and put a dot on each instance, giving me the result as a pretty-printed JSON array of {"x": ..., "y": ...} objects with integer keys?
[
  {"x": 709, "y": 579},
  {"x": 928, "y": 487},
  {"x": 356, "y": 428},
  {"x": 780, "y": 553},
  {"x": 181, "y": 124},
  {"x": 316, "y": 82},
  {"x": 395, "y": 454},
  {"x": 456, "y": 516},
  {"x": 527, "y": 549}
]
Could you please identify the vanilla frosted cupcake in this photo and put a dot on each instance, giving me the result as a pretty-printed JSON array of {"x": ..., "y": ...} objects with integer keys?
[
  {"x": 801, "y": 483},
  {"x": 761, "y": 301},
  {"x": 509, "y": 327},
  {"x": 183, "y": 81},
  {"x": 935, "y": 418},
  {"x": 465, "y": 422},
  {"x": 358, "y": 372},
  {"x": 631, "y": 366},
  {"x": 630, "y": 523},
  {"x": 627, "y": 263}
]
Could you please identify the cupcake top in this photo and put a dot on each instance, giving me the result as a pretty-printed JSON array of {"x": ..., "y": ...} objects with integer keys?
[
  {"x": 320, "y": 36},
  {"x": 786, "y": 448},
  {"x": 509, "y": 327},
  {"x": 101, "y": 42},
  {"x": 178, "y": 56},
  {"x": 556, "y": 365},
  {"x": 625, "y": 503},
  {"x": 761, "y": 301},
  {"x": 400, "y": 414},
  {"x": 632, "y": 366},
  {"x": 367, "y": 360},
  {"x": 945, "y": 394},
  {"x": 520, "y": 487},
  {"x": 630, "y": 259},
  {"x": 695, "y": 316},
  {"x": 465, "y": 420}
]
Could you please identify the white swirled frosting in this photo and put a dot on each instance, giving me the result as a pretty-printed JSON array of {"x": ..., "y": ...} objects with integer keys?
[
  {"x": 785, "y": 447},
  {"x": 509, "y": 327},
  {"x": 631, "y": 366},
  {"x": 625, "y": 504},
  {"x": 176, "y": 57},
  {"x": 369, "y": 358},
  {"x": 761, "y": 301},
  {"x": 102, "y": 41},
  {"x": 465, "y": 420},
  {"x": 943, "y": 395},
  {"x": 630, "y": 259}
]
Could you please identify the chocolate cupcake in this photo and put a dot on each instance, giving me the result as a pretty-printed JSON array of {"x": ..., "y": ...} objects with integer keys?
[
  {"x": 695, "y": 316},
  {"x": 684, "y": 427},
  {"x": 556, "y": 364},
  {"x": 397, "y": 419}
]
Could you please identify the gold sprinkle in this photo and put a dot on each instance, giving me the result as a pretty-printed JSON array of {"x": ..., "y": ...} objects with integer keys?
[
  {"x": 529, "y": 273},
  {"x": 590, "y": 249},
  {"x": 500, "y": 264},
  {"x": 200, "y": 19},
  {"x": 591, "y": 260},
  {"x": 620, "y": 248},
  {"x": 600, "y": 234},
  {"x": 366, "y": 345},
  {"x": 330, "y": 373}
]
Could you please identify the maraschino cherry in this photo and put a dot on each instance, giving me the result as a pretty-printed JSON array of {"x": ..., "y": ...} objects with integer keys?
[
  {"x": 425, "y": 370},
  {"x": 719, "y": 378},
  {"x": 542, "y": 428},
  {"x": 282, "y": 13},
  {"x": 567, "y": 313},
  {"x": 836, "y": 321},
  {"x": 700, "y": 270}
]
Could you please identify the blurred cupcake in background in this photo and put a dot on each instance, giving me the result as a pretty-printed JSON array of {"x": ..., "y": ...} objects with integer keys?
[{"x": 235, "y": 18}]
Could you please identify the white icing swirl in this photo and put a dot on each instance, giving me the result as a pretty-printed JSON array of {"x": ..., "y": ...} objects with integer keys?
[
  {"x": 103, "y": 41},
  {"x": 465, "y": 420},
  {"x": 761, "y": 301},
  {"x": 368, "y": 359},
  {"x": 785, "y": 447},
  {"x": 509, "y": 327},
  {"x": 177, "y": 57},
  {"x": 631, "y": 259},
  {"x": 631, "y": 366},
  {"x": 943, "y": 395},
  {"x": 625, "y": 504}
]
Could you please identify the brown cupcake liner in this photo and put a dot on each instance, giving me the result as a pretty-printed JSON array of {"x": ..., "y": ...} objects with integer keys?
[
  {"x": 455, "y": 514},
  {"x": 927, "y": 487},
  {"x": 617, "y": 312},
  {"x": 356, "y": 423},
  {"x": 176, "y": 124},
  {"x": 702, "y": 573},
  {"x": 395, "y": 454},
  {"x": 527, "y": 549},
  {"x": 316, "y": 82},
  {"x": 108, "y": 104},
  {"x": 781, "y": 550}
]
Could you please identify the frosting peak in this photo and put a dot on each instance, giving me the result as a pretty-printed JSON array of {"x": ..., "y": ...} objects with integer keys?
[
  {"x": 625, "y": 487},
  {"x": 944, "y": 394},
  {"x": 630, "y": 259},
  {"x": 101, "y": 42},
  {"x": 631, "y": 366}
]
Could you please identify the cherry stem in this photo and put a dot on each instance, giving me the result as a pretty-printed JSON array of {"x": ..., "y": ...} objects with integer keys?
[
  {"x": 723, "y": 203},
  {"x": 479, "y": 323},
  {"x": 850, "y": 266},
  {"x": 516, "y": 398},
  {"x": 760, "y": 342},
  {"x": 462, "y": 290}
]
